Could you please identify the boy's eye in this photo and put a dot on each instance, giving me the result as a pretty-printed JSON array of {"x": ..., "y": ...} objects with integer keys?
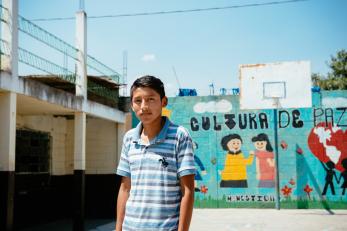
[
  {"x": 151, "y": 99},
  {"x": 137, "y": 101}
]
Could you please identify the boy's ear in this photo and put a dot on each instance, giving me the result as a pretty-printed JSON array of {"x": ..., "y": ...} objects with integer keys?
[{"x": 164, "y": 101}]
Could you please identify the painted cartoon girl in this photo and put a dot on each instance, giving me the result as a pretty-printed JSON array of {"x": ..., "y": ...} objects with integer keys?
[
  {"x": 234, "y": 174},
  {"x": 265, "y": 163}
]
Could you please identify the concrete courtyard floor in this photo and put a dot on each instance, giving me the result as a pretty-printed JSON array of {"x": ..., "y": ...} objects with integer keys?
[
  {"x": 268, "y": 219},
  {"x": 238, "y": 220}
]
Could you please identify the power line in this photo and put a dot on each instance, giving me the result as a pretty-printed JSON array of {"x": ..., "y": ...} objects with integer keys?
[{"x": 175, "y": 11}]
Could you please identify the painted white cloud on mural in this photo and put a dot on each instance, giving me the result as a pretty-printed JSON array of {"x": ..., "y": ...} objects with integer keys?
[
  {"x": 221, "y": 106},
  {"x": 334, "y": 102}
]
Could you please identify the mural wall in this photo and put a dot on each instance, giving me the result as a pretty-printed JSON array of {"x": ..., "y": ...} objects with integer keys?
[{"x": 234, "y": 151}]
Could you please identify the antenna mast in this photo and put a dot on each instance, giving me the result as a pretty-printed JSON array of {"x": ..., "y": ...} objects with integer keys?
[
  {"x": 178, "y": 82},
  {"x": 125, "y": 71}
]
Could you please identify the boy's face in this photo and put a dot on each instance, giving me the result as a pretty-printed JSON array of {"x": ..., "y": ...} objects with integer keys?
[
  {"x": 234, "y": 145},
  {"x": 147, "y": 105},
  {"x": 260, "y": 145}
]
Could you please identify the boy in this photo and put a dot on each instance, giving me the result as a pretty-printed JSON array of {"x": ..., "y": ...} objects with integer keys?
[{"x": 156, "y": 165}]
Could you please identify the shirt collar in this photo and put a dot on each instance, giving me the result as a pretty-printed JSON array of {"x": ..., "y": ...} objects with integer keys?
[
  {"x": 234, "y": 152},
  {"x": 159, "y": 138}
]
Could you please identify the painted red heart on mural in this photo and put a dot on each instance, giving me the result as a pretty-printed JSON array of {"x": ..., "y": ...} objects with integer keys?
[{"x": 328, "y": 143}]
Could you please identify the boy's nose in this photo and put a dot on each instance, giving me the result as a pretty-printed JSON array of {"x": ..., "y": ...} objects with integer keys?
[{"x": 144, "y": 106}]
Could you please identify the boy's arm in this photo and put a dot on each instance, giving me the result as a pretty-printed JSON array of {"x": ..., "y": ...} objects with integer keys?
[
  {"x": 123, "y": 196},
  {"x": 187, "y": 202}
]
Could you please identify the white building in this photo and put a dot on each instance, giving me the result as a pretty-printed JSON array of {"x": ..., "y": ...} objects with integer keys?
[{"x": 60, "y": 142}]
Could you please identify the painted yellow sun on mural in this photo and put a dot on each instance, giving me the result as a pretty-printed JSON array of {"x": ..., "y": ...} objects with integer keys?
[{"x": 166, "y": 112}]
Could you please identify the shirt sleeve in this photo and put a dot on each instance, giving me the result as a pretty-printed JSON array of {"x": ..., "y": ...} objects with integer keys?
[
  {"x": 185, "y": 155},
  {"x": 123, "y": 166}
]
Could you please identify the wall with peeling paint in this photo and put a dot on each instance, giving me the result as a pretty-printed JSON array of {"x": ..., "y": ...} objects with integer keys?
[
  {"x": 101, "y": 147},
  {"x": 312, "y": 151}
]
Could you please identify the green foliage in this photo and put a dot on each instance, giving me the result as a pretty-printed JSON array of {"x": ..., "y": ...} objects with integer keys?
[
  {"x": 338, "y": 65},
  {"x": 337, "y": 78}
]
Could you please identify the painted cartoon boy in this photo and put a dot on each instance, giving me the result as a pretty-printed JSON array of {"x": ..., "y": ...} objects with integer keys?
[{"x": 234, "y": 174}]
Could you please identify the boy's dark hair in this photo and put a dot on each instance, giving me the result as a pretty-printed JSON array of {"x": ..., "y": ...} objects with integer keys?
[
  {"x": 148, "y": 81},
  {"x": 227, "y": 138},
  {"x": 263, "y": 137}
]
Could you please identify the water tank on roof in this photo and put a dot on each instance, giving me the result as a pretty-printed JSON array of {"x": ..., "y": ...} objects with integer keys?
[{"x": 187, "y": 92}]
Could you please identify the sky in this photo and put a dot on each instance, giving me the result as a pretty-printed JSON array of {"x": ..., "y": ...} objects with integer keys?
[{"x": 201, "y": 47}]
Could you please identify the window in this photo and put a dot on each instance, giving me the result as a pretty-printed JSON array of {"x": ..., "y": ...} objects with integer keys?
[{"x": 32, "y": 151}]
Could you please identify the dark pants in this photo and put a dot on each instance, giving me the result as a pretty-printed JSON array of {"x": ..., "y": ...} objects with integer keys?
[{"x": 233, "y": 184}]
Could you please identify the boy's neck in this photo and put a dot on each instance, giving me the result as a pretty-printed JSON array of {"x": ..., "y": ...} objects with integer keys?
[{"x": 149, "y": 131}]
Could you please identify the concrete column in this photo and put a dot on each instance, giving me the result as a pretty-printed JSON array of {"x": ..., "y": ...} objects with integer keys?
[
  {"x": 81, "y": 45},
  {"x": 80, "y": 141},
  {"x": 9, "y": 33},
  {"x": 8, "y": 109},
  {"x": 79, "y": 170},
  {"x": 80, "y": 122}
]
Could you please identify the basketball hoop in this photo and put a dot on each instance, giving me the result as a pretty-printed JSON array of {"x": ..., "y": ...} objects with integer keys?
[
  {"x": 275, "y": 91},
  {"x": 289, "y": 82}
]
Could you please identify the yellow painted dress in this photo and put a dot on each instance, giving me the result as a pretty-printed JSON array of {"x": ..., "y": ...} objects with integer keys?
[{"x": 235, "y": 170}]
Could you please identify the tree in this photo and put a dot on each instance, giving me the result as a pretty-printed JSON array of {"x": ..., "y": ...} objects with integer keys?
[
  {"x": 338, "y": 65},
  {"x": 337, "y": 78}
]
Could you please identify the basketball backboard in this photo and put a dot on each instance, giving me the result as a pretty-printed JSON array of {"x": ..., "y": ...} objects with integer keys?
[{"x": 287, "y": 83}]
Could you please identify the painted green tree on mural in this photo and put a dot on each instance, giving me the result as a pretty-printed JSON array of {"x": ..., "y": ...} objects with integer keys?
[{"x": 336, "y": 79}]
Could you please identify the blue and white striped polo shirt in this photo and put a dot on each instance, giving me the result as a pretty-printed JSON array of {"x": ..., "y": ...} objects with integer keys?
[{"x": 154, "y": 170}]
